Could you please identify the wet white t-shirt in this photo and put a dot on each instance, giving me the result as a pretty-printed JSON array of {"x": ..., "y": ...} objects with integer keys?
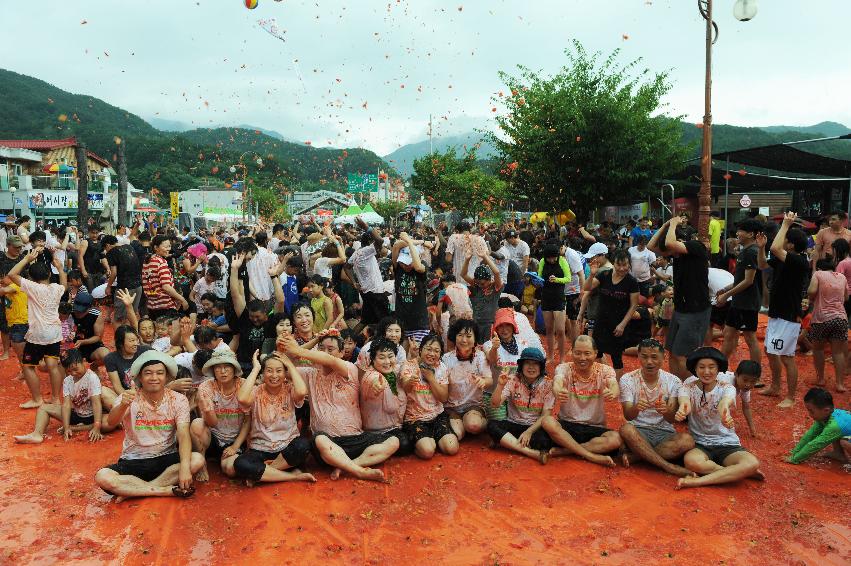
[
  {"x": 704, "y": 422},
  {"x": 633, "y": 389},
  {"x": 81, "y": 392}
]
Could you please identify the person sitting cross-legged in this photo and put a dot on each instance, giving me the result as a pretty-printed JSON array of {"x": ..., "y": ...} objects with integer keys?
[
  {"x": 157, "y": 457},
  {"x": 581, "y": 388},
  {"x": 649, "y": 401}
]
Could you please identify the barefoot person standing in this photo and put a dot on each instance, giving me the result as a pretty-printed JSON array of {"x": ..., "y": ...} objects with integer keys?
[{"x": 156, "y": 457}]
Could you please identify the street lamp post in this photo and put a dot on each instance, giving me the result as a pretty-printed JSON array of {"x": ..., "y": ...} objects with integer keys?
[{"x": 744, "y": 10}]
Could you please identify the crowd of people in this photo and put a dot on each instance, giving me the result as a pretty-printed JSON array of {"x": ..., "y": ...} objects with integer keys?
[{"x": 262, "y": 348}]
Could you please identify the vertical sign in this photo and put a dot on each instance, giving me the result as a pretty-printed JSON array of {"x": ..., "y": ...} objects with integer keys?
[{"x": 175, "y": 208}]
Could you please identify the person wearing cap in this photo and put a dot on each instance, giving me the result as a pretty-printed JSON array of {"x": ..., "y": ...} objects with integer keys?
[
  {"x": 718, "y": 456},
  {"x": 596, "y": 256},
  {"x": 555, "y": 272},
  {"x": 410, "y": 287},
  {"x": 581, "y": 388},
  {"x": 485, "y": 286},
  {"x": 222, "y": 428},
  {"x": 44, "y": 336},
  {"x": 529, "y": 397},
  {"x": 156, "y": 457},
  {"x": 649, "y": 399},
  {"x": 692, "y": 308},
  {"x": 90, "y": 324}
]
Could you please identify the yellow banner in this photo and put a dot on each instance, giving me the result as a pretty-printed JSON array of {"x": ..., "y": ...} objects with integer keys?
[{"x": 175, "y": 208}]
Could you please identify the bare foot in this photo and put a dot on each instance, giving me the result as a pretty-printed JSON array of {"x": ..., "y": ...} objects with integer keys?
[
  {"x": 4, "y": 356},
  {"x": 249, "y": 483},
  {"x": 602, "y": 460},
  {"x": 679, "y": 471},
  {"x": 543, "y": 457},
  {"x": 371, "y": 474},
  {"x": 771, "y": 392},
  {"x": 335, "y": 475},
  {"x": 31, "y": 438},
  {"x": 118, "y": 498},
  {"x": 202, "y": 475},
  {"x": 688, "y": 481},
  {"x": 840, "y": 388},
  {"x": 786, "y": 403},
  {"x": 628, "y": 459},
  {"x": 556, "y": 451},
  {"x": 31, "y": 404},
  {"x": 304, "y": 476},
  {"x": 758, "y": 475}
]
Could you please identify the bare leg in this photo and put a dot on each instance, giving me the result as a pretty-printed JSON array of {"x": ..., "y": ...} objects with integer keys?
[
  {"x": 508, "y": 441},
  {"x": 550, "y": 337},
  {"x": 377, "y": 453},
  {"x": 6, "y": 342},
  {"x": 474, "y": 422},
  {"x": 558, "y": 324},
  {"x": 846, "y": 448},
  {"x": 731, "y": 339},
  {"x": 677, "y": 366},
  {"x": 570, "y": 446},
  {"x": 107, "y": 398},
  {"x": 56, "y": 376},
  {"x": 424, "y": 448},
  {"x": 753, "y": 346},
  {"x": 640, "y": 449},
  {"x": 608, "y": 442},
  {"x": 776, "y": 376},
  {"x": 200, "y": 435},
  {"x": 737, "y": 466},
  {"x": 31, "y": 379},
  {"x": 277, "y": 472},
  {"x": 791, "y": 381},
  {"x": 448, "y": 444},
  {"x": 42, "y": 419},
  {"x": 818, "y": 361},
  {"x": 131, "y": 486},
  {"x": 840, "y": 351},
  {"x": 335, "y": 456},
  {"x": 457, "y": 426}
]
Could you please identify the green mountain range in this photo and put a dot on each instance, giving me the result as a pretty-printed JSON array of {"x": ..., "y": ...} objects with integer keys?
[{"x": 174, "y": 160}]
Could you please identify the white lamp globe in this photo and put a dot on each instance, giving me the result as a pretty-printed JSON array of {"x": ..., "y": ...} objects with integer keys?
[{"x": 744, "y": 10}]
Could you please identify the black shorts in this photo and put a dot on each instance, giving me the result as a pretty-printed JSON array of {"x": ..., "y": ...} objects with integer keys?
[
  {"x": 720, "y": 452},
  {"x": 582, "y": 433},
  {"x": 34, "y": 353},
  {"x": 78, "y": 420},
  {"x": 154, "y": 314},
  {"x": 146, "y": 469},
  {"x": 718, "y": 316},
  {"x": 555, "y": 303},
  {"x": 571, "y": 305},
  {"x": 251, "y": 464},
  {"x": 743, "y": 320},
  {"x": 354, "y": 445},
  {"x": 405, "y": 445},
  {"x": 215, "y": 449},
  {"x": 540, "y": 439},
  {"x": 88, "y": 350},
  {"x": 436, "y": 428}
]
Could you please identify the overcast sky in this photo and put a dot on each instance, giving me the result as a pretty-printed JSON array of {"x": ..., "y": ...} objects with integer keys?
[{"x": 338, "y": 75}]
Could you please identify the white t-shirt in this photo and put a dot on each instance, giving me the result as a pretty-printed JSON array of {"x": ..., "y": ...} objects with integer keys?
[
  {"x": 640, "y": 261},
  {"x": 719, "y": 279},
  {"x": 633, "y": 389},
  {"x": 727, "y": 378},
  {"x": 321, "y": 267},
  {"x": 518, "y": 252},
  {"x": 43, "y": 309},
  {"x": 704, "y": 422},
  {"x": 81, "y": 392},
  {"x": 463, "y": 392},
  {"x": 502, "y": 264},
  {"x": 577, "y": 265}
]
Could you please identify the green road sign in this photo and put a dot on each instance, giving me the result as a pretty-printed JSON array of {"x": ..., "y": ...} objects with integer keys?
[{"x": 365, "y": 183}]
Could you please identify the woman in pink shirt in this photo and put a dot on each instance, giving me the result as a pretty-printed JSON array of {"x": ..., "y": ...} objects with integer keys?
[
  {"x": 828, "y": 292},
  {"x": 382, "y": 397}
]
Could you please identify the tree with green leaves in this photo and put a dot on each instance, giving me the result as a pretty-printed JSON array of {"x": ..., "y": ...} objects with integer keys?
[
  {"x": 449, "y": 182},
  {"x": 593, "y": 134}
]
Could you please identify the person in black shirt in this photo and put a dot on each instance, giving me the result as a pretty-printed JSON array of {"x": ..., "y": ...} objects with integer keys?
[
  {"x": 784, "y": 308},
  {"x": 126, "y": 271},
  {"x": 743, "y": 314},
  {"x": 410, "y": 284},
  {"x": 90, "y": 323},
  {"x": 691, "y": 291},
  {"x": 90, "y": 258}
]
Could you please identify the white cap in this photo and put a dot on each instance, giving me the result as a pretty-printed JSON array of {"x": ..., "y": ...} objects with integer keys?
[
  {"x": 596, "y": 249},
  {"x": 404, "y": 257}
]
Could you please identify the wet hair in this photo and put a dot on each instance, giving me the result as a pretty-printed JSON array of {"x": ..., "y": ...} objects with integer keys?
[
  {"x": 39, "y": 271},
  {"x": 819, "y": 398},
  {"x": 265, "y": 361},
  {"x": 262, "y": 239},
  {"x": 109, "y": 240},
  {"x": 71, "y": 357},
  {"x": 337, "y": 339},
  {"x": 798, "y": 239},
  {"x": 319, "y": 281},
  {"x": 429, "y": 338},
  {"x": 38, "y": 236},
  {"x": 381, "y": 345},
  {"x": 159, "y": 240},
  {"x": 841, "y": 249},
  {"x": 821, "y": 265},
  {"x": 204, "y": 335},
  {"x": 209, "y": 297},
  {"x": 182, "y": 373},
  {"x": 749, "y": 367},
  {"x": 460, "y": 325},
  {"x": 121, "y": 335},
  {"x": 371, "y": 330},
  {"x": 348, "y": 333},
  {"x": 651, "y": 343},
  {"x": 386, "y": 323},
  {"x": 200, "y": 358},
  {"x": 585, "y": 338},
  {"x": 297, "y": 307},
  {"x": 620, "y": 255},
  {"x": 751, "y": 225},
  {"x": 256, "y": 305},
  {"x": 213, "y": 272}
]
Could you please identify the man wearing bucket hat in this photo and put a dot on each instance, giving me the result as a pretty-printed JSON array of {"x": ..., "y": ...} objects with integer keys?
[
  {"x": 223, "y": 427},
  {"x": 718, "y": 455},
  {"x": 529, "y": 395},
  {"x": 156, "y": 457}
]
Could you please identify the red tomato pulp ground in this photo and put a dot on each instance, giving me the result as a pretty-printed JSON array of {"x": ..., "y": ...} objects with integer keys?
[{"x": 482, "y": 506}]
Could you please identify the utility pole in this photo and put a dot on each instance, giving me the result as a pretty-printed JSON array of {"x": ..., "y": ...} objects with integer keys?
[
  {"x": 430, "y": 139},
  {"x": 122, "y": 185},
  {"x": 82, "y": 188}
]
